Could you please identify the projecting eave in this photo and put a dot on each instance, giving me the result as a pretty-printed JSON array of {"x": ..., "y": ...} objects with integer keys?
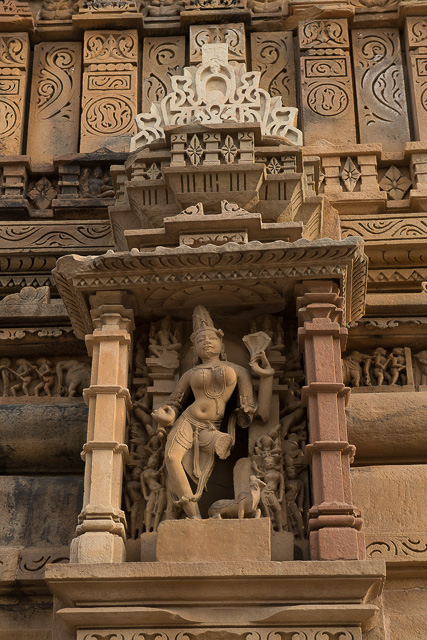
[{"x": 237, "y": 278}]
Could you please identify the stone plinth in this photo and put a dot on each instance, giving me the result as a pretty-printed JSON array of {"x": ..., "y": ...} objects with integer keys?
[{"x": 214, "y": 540}]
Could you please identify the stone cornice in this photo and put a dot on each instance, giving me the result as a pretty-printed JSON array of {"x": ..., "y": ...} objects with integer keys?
[{"x": 250, "y": 275}]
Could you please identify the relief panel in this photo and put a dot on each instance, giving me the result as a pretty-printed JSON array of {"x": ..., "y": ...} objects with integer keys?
[
  {"x": 14, "y": 57},
  {"x": 380, "y": 89},
  {"x": 160, "y": 56},
  {"x": 416, "y": 43},
  {"x": 273, "y": 55},
  {"x": 55, "y": 99},
  {"x": 326, "y": 82},
  {"x": 109, "y": 102}
]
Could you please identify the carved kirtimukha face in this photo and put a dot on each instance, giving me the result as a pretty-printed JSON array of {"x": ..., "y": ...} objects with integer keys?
[{"x": 207, "y": 344}]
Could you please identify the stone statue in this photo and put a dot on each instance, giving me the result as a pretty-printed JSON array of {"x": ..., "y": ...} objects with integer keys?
[
  {"x": 135, "y": 503},
  {"x": 379, "y": 363},
  {"x": 294, "y": 496},
  {"x": 195, "y": 435},
  {"x": 352, "y": 369},
  {"x": 272, "y": 493},
  {"x": 162, "y": 339},
  {"x": 154, "y": 492},
  {"x": 46, "y": 373},
  {"x": 5, "y": 375},
  {"x": 420, "y": 362},
  {"x": 76, "y": 378},
  {"x": 244, "y": 506},
  {"x": 397, "y": 365},
  {"x": 25, "y": 374}
]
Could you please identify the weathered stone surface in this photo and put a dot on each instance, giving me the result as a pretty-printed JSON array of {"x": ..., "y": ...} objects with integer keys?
[
  {"x": 214, "y": 540},
  {"x": 273, "y": 55},
  {"x": 392, "y": 497},
  {"x": 160, "y": 54},
  {"x": 388, "y": 427},
  {"x": 39, "y": 510},
  {"x": 42, "y": 438}
]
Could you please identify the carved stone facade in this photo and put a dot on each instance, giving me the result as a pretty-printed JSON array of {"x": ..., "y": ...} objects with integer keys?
[{"x": 213, "y": 327}]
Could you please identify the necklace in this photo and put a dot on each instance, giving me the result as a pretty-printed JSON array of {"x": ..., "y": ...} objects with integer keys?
[{"x": 214, "y": 387}]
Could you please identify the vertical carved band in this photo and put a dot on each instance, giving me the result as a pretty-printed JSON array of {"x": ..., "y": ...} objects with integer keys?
[
  {"x": 160, "y": 57},
  {"x": 109, "y": 102},
  {"x": 326, "y": 83},
  {"x": 273, "y": 55},
  {"x": 55, "y": 98},
  {"x": 14, "y": 56},
  {"x": 381, "y": 101},
  {"x": 416, "y": 43}
]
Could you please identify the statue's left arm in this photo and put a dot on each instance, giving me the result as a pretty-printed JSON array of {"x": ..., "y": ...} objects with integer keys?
[{"x": 260, "y": 366}]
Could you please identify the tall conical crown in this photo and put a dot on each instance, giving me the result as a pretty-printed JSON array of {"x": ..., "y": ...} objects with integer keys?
[{"x": 202, "y": 321}]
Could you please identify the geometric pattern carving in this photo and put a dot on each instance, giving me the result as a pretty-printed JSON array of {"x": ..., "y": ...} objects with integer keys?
[
  {"x": 109, "y": 101},
  {"x": 416, "y": 43},
  {"x": 397, "y": 547},
  {"x": 233, "y": 35},
  {"x": 395, "y": 183}
]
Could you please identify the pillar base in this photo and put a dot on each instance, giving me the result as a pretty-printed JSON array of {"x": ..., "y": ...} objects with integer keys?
[
  {"x": 97, "y": 547},
  {"x": 337, "y": 543}
]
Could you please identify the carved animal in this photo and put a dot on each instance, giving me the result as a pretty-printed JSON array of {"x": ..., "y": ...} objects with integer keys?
[
  {"x": 73, "y": 377},
  {"x": 244, "y": 506}
]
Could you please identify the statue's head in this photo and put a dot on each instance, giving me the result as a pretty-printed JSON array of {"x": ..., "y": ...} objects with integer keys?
[{"x": 206, "y": 339}]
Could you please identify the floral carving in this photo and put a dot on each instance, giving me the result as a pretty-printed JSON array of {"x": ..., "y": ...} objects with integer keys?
[
  {"x": 229, "y": 150},
  {"x": 350, "y": 174},
  {"x": 395, "y": 183},
  {"x": 42, "y": 193},
  {"x": 195, "y": 150}
]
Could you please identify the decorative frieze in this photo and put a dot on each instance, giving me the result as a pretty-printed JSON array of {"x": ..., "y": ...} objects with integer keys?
[
  {"x": 110, "y": 83},
  {"x": 284, "y": 633},
  {"x": 381, "y": 100},
  {"x": 326, "y": 82},
  {"x": 14, "y": 60},
  {"x": 50, "y": 235},
  {"x": 273, "y": 55},
  {"x": 161, "y": 56},
  {"x": 55, "y": 100}
]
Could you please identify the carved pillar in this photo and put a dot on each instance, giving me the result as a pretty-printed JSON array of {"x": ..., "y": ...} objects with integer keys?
[
  {"x": 101, "y": 529},
  {"x": 334, "y": 523}
]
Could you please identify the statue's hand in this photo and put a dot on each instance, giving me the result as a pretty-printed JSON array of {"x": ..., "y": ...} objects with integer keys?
[
  {"x": 164, "y": 416},
  {"x": 244, "y": 415},
  {"x": 260, "y": 366}
]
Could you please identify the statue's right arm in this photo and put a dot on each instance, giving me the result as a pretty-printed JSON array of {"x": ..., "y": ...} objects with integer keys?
[{"x": 174, "y": 405}]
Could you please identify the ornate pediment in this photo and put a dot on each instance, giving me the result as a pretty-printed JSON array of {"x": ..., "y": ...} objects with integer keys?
[{"x": 217, "y": 92}]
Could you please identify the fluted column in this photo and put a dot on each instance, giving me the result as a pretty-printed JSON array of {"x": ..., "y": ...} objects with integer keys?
[
  {"x": 334, "y": 522},
  {"x": 101, "y": 528}
]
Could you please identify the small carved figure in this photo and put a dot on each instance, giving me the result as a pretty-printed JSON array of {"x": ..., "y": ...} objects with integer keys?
[
  {"x": 352, "y": 369},
  {"x": 420, "y": 361},
  {"x": 396, "y": 365},
  {"x": 25, "y": 374},
  {"x": 135, "y": 503},
  {"x": 294, "y": 495},
  {"x": 163, "y": 339},
  {"x": 244, "y": 506},
  {"x": 379, "y": 363},
  {"x": 76, "y": 378},
  {"x": 5, "y": 375},
  {"x": 56, "y": 10},
  {"x": 292, "y": 451},
  {"x": 139, "y": 364},
  {"x": 159, "y": 8},
  {"x": 45, "y": 371},
  {"x": 269, "y": 445},
  {"x": 273, "y": 493},
  {"x": 94, "y": 184},
  {"x": 154, "y": 491},
  {"x": 195, "y": 436}
]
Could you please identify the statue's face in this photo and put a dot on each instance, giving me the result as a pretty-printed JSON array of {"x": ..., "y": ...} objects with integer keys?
[{"x": 207, "y": 345}]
